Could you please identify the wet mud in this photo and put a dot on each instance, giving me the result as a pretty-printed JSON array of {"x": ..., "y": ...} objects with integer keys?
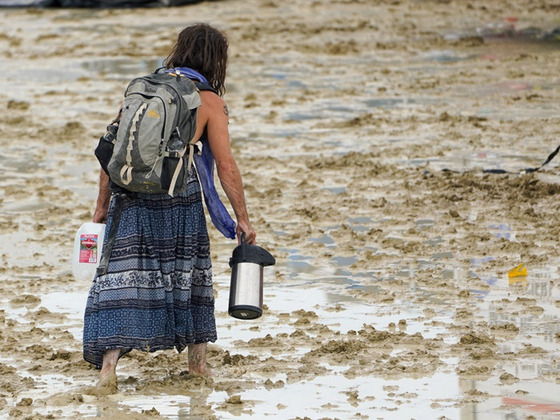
[{"x": 363, "y": 130}]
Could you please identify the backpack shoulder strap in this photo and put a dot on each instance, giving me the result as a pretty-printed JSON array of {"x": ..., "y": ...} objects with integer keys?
[{"x": 205, "y": 86}]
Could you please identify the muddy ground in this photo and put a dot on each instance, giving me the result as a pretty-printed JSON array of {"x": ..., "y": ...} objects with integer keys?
[{"x": 364, "y": 131}]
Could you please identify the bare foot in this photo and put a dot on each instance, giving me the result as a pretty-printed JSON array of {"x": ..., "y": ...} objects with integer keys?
[
  {"x": 199, "y": 371},
  {"x": 197, "y": 360},
  {"x": 107, "y": 385}
]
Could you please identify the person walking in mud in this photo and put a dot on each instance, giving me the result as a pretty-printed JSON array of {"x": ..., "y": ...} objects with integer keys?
[{"x": 157, "y": 291}]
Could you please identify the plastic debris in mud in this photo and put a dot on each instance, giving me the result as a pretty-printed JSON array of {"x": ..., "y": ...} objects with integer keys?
[{"x": 519, "y": 271}]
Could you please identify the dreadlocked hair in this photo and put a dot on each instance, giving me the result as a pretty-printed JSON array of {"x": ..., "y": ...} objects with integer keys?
[{"x": 204, "y": 49}]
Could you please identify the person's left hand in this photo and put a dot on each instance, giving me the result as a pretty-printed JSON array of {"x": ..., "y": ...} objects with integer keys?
[{"x": 250, "y": 234}]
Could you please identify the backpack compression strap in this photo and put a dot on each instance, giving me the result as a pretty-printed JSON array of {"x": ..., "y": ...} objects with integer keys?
[
  {"x": 126, "y": 170},
  {"x": 180, "y": 155}
]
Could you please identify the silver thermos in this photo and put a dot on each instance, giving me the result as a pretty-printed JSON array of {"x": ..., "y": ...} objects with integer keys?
[{"x": 246, "y": 288}]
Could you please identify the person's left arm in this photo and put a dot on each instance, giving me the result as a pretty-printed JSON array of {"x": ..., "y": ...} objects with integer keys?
[{"x": 214, "y": 112}]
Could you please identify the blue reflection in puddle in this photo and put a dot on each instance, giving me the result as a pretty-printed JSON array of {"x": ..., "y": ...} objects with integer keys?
[
  {"x": 325, "y": 239},
  {"x": 446, "y": 56},
  {"x": 502, "y": 231},
  {"x": 489, "y": 279},
  {"x": 336, "y": 190},
  {"x": 388, "y": 102}
]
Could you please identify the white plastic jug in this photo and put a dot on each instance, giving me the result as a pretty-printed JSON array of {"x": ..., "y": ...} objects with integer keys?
[{"x": 88, "y": 245}]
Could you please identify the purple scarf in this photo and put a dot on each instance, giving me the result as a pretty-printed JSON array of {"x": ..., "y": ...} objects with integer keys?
[
  {"x": 218, "y": 213},
  {"x": 188, "y": 72}
]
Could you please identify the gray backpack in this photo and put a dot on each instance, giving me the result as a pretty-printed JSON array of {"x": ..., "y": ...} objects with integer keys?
[{"x": 157, "y": 123}]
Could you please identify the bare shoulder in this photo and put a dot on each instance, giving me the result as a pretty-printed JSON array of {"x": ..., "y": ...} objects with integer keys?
[{"x": 213, "y": 103}]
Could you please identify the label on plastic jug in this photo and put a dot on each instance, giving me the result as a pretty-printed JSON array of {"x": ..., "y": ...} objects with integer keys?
[{"x": 88, "y": 248}]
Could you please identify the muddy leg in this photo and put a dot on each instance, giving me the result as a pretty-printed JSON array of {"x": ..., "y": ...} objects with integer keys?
[
  {"x": 108, "y": 374},
  {"x": 197, "y": 360}
]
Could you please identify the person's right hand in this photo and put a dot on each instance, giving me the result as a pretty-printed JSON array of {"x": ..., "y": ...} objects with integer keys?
[
  {"x": 250, "y": 235},
  {"x": 100, "y": 215}
]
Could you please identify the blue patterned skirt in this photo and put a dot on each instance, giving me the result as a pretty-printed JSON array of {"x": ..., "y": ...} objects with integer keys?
[{"x": 157, "y": 293}]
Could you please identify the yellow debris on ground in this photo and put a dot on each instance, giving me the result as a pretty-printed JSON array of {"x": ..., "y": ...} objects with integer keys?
[{"x": 520, "y": 270}]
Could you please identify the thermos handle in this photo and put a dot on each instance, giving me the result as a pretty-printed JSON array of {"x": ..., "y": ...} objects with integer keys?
[{"x": 243, "y": 247}]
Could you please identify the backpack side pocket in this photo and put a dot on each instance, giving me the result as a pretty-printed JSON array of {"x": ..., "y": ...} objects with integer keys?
[
  {"x": 104, "y": 149},
  {"x": 168, "y": 168}
]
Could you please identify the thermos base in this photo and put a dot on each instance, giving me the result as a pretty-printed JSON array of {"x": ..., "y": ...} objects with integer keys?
[{"x": 245, "y": 311}]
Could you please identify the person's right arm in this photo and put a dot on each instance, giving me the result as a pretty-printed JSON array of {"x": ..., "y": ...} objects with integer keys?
[{"x": 103, "y": 199}]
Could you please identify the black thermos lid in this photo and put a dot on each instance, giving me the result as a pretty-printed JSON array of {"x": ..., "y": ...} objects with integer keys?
[{"x": 251, "y": 254}]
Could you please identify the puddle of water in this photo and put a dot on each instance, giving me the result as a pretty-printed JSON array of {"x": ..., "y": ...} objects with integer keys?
[
  {"x": 336, "y": 190},
  {"x": 16, "y": 161},
  {"x": 502, "y": 231},
  {"x": 180, "y": 406},
  {"x": 434, "y": 241},
  {"x": 47, "y": 75},
  {"x": 325, "y": 240},
  {"x": 122, "y": 68},
  {"x": 541, "y": 329},
  {"x": 433, "y": 396},
  {"x": 332, "y": 304},
  {"x": 71, "y": 304},
  {"x": 423, "y": 224},
  {"x": 360, "y": 220},
  {"x": 23, "y": 206},
  {"x": 445, "y": 56},
  {"x": 442, "y": 255},
  {"x": 343, "y": 261},
  {"x": 327, "y": 296},
  {"x": 388, "y": 102},
  {"x": 375, "y": 397}
]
